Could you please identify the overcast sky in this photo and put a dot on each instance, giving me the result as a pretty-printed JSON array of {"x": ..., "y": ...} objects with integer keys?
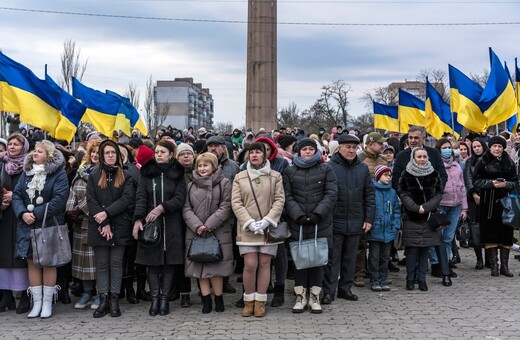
[{"x": 128, "y": 50}]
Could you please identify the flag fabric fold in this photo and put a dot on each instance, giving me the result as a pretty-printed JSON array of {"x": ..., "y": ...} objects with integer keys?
[
  {"x": 410, "y": 109},
  {"x": 130, "y": 112},
  {"x": 386, "y": 117},
  {"x": 438, "y": 115}
]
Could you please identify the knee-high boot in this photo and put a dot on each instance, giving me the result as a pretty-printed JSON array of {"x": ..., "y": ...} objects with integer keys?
[
  {"x": 480, "y": 261},
  {"x": 504, "y": 262},
  {"x": 48, "y": 294},
  {"x": 167, "y": 284},
  {"x": 155, "y": 286},
  {"x": 37, "y": 297},
  {"x": 493, "y": 259}
]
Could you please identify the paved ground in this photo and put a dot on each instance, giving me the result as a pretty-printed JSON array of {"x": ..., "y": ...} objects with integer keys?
[{"x": 477, "y": 306}]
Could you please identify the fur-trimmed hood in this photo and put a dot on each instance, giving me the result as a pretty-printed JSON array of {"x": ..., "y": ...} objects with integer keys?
[{"x": 52, "y": 164}]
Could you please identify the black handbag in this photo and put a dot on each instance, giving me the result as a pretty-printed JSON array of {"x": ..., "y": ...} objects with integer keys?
[
  {"x": 511, "y": 210},
  {"x": 151, "y": 233},
  {"x": 463, "y": 230},
  {"x": 51, "y": 245},
  {"x": 205, "y": 249},
  {"x": 438, "y": 220},
  {"x": 474, "y": 240}
]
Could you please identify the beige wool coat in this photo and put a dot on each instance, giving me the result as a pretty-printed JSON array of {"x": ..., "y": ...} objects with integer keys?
[
  {"x": 208, "y": 203},
  {"x": 271, "y": 199}
]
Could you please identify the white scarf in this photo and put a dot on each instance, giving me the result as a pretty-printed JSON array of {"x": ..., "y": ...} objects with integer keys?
[
  {"x": 256, "y": 173},
  {"x": 36, "y": 184}
]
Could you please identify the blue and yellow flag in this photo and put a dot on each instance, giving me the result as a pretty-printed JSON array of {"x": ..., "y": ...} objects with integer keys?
[
  {"x": 517, "y": 76},
  {"x": 37, "y": 102},
  {"x": 511, "y": 122},
  {"x": 438, "y": 115},
  {"x": 498, "y": 102},
  {"x": 102, "y": 110},
  {"x": 464, "y": 101},
  {"x": 386, "y": 117},
  {"x": 411, "y": 109},
  {"x": 130, "y": 112}
]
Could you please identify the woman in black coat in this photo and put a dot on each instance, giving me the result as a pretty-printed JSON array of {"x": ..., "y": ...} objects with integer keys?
[
  {"x": 310, "y": 195},
  {"x": 161, "y": 194},
  {"x": 420, "y": 190},
  {"x": 495, "y": 176},
  {"x": 110, "y": 201}
]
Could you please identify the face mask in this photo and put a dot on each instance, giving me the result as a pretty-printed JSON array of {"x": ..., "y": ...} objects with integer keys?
[
  {"x": 446, "y": 153},
  {"x": 457, "y": 152}
]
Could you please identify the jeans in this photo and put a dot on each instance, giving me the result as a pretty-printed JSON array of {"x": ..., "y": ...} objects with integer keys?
[
  {"x": 416, "y": 255},
  {"x": 448, "y": 233},
  {"x": 378, "y": 258},
  {"x": 109, "y": 268},
  {"x": 342, "y": 263}
]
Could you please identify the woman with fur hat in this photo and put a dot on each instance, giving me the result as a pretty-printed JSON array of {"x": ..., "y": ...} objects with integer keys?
[
  {"x": 257, "y": 201},
  {"x": 43, "y": 185},
  {"x": 495, "y": 177},
  {"x": 110, "y": 201}
]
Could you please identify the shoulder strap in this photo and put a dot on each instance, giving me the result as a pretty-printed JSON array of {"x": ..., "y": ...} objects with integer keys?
[{"x": 254, "y": 196}]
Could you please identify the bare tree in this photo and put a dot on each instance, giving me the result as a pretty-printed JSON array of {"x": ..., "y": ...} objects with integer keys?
[
  {"x": 133, "y": 94},
  {"x": 289, "y": 116},
  {"x": 383, "y": 95},
  {"x": 438, "y": 78},
  {"x": 226, "y": 127},
  {"x": 480, "y": 78},
  {"x": 364, "y": 122},
  {"x": 70, "y": 65}
]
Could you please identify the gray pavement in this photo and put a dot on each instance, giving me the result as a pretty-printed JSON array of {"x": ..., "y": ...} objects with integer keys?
[{"x": 477, "y": 306}]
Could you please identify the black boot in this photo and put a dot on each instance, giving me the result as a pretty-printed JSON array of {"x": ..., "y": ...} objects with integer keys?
[
  {"x": 155, "y": 285},
  {"x": 142, "y": 294},
  {"x": 24, "y": 305},
  {"x": 76, "y": 288},
  {"x": 487, "y": 262},
  {"x": 128, "y": 283},
  {"x": 185, "y": 300},
  {"x": 446, "y": 281},
  {"x": 493, "y": 259},
  {"x": 63, "y": 293},
  {"x": 103, "y": 307},
  {"x": 504, "y": 262},
  {"x": 206, "y": 304},
  {"x": 436, "y": 270},
  {"x": 114, "y": 306},
  {"x": 455, "y": 251},
  {"x": 480, "y": 262},
  {"x": 167, "y": 285},
  {"x": 278, "y": 298},
  {"x": 7, "y": 302},
  {"x": 219, "y": 304}
]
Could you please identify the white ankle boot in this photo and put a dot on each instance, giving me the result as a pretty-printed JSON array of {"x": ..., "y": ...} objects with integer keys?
[
  {"x": 36, "y": 296},
  {"x": 314, "y": 300},
  {"x": 301, "y": 299},
  {"x": 48, "y": 294}
]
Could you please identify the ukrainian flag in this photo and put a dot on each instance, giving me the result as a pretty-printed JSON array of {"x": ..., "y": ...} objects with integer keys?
[
  {"x": 386, "y": 117},
  {"x": 33, "y": 99},
  {"x": 517, "y": 76},
  {"x": 130, "y": 113},
  {"x": 102, "y": 110},
  {"x": 464, "y": 101},
  {"x": 438, "y": 115},
  {"x": 411, "y": 109},
  {"x": 498, "y": 102},
  {"x": 511, "y": 122}
]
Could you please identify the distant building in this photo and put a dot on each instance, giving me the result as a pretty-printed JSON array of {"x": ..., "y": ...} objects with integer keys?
[
  {"x": 183, "y": 103},
  {"x": 417, "y": 88}
]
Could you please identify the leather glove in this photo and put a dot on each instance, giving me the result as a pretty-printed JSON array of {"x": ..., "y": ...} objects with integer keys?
[
  {"x": 314, "y": 219},
  {"x": 263, "y": 224},
  {"x": 302, "y": 220}
]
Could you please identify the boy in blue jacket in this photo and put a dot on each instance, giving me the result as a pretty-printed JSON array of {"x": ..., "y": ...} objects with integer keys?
[{"x": 384, "y": 230}]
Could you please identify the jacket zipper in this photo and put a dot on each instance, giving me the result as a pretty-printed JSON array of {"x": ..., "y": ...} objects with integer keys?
[{"x": 163, "y": 224}]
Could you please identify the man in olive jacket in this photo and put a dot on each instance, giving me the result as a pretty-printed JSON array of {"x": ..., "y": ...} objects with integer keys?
[{"x": 353, "y": 215}]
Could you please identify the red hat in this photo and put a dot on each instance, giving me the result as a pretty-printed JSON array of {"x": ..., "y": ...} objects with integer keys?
[
  {"x": 379, "y": 170},
  {"x": 144, "y": 155}
]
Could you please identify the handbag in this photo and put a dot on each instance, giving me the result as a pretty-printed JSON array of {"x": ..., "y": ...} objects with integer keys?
[
  {"x": 474, "y": 240},
  {"x": 51, "y": 245},
  {"x": 398, "y": 242},
  {"x": 205, "y": 249},
  {"x": 151, "y": 233},
  {"x": 463, "y": 231},
  {"x": 511, "y": 211},
  {"x": 311, "y": 252},
  {"x": 438, "y": 220},
  {"x": 276, "y": 234}
]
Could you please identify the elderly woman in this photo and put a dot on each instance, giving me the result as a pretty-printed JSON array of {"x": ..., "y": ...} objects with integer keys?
[
  {"x": 42, "y": 186},
  {"x": 495, "y": 176},
  {"x": 257, "y": 200},
  {"x": 207, "y": 209},
  {"x": 13, "y": 271},
  {"x": 420, "y": 189}
]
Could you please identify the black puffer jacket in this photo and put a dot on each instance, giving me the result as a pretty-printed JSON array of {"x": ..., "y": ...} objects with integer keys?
[
  {"x": 310, "y": 191},
  {"x": 414, "y": 192},
  {"x": 356, "y": 199},
  {"x": 118, "y": 203},
  {"x": 170, "y": 178}
]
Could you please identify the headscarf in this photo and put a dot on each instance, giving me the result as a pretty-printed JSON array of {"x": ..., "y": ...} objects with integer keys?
[
  {"x": 417, "y": 170},
  {"x": 14, "y": 164}
]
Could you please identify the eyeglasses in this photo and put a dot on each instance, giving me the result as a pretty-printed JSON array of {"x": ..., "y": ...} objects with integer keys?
[{"x": 387, "y": 174}]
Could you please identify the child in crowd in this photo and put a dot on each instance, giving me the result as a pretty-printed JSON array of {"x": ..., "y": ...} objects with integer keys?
[{"x": 384, "y": 230}]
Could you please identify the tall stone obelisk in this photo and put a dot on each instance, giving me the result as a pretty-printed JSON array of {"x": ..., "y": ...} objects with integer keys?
[{"x": 261, "y": 106}]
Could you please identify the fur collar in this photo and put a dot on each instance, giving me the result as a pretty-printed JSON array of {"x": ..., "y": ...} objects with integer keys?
[{"x": 52, "y": 164}]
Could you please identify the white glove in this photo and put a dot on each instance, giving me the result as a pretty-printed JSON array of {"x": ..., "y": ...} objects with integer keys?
[
  {"x": 263, "y": 224},
  {"x": 252, "y": 227}
]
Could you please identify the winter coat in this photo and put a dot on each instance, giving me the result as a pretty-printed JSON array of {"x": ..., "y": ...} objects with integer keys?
[
  {"x": 310, "y": 191},
  {"x": 403, "y": 157},
  {"x": 372, "y": 160},
  {"x": 487, "y": 169},
  {"x": 454, "y": 191},
  {"x": 469, "y": 170},
  {"x": 356, "y": 201},
  {"x": 271, "y": 199},
  {"x": 54, "y": 192},
  {"x": 8, "y": 225},
  {"x": 170, "y": 180},
  {"x": 388, "y": 214},
  {"x": 428, "y": 193},
  {"x": 118, "y": 203},
  {"x": 208, "y": 203},
  {"x": 229, "y": 167}
]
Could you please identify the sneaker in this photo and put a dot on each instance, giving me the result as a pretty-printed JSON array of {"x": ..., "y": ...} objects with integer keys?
[
  {"x": 83, "y": 301},
  {"x": 95, "y": 303},
  {"x": 384, "y": 286},
  {"x": 375, "y": 286}
]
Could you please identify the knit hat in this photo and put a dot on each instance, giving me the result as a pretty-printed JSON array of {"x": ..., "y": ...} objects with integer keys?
[
  {"x": 379, "y": 170},
  {"x": 286, "y": 140},
  {"x": 497, "y": 140},
  {"x": 167, "y": 134},
  {"x": 184, "y": 147},
  {"x": 144, "y": 155},
  {"x": 135, "y": 143},
  {"x": 333, "y": 145},
  {"x": 389, "y": 148},
  {"x": 306, "y": 142}
]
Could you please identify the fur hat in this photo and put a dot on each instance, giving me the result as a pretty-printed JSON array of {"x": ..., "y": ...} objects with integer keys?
[
  {"x": 379, "y": 170},
  {"x": 497, "y": 140}
]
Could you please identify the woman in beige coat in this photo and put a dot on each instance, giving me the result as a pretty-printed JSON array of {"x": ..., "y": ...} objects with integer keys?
[
  {"x": 254, "y": 216},
  {"x": 208, "y": 208}
]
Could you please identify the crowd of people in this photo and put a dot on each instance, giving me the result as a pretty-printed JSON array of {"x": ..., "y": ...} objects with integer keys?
[{"x": 359, "y": 192}]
